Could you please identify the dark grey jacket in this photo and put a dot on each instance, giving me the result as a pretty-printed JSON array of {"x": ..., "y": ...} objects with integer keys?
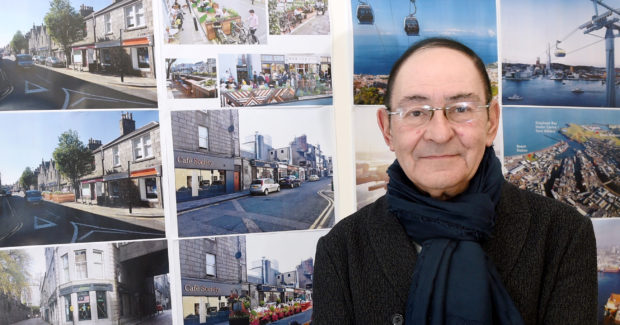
[{"x": 544, "y": 251}]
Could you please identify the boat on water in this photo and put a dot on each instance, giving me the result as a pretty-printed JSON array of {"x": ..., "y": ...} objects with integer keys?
[
  {"x": 515, "y": 97},
  {"x": 577, "y": 90}
]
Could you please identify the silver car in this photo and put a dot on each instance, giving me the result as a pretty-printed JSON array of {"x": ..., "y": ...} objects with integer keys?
[{"x": 264, "y": 186}]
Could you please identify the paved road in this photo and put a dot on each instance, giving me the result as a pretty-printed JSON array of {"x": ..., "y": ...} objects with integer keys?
[
  {"x": 317, "y": 25},
  {"x": 48, "y": 223},
  {"x": 307, "y": 207},
  {"x": 42, "y": 88},
  {"x": 32, "y": 321},
  {"x": 164, "y": 318}
]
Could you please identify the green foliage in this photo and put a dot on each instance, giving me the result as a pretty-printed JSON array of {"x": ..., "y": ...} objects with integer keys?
[
  {"x": 368, "y": 96},
  {"x": 64, "y": 24},
  {"x": 73, "y": 158},
  {"x": 28, "y": 178},
  {"x": 13, "y": 274},
  {"x": 232, "y": 12},
  {"x": 202, "y": 18},
  {"x": 19, "y": 42},
  {"x": 261, "y": 303}
]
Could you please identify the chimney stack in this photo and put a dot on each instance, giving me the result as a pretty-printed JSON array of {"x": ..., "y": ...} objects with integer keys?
[
  {"x": 128, "y": 125},
  {"x": 93, "y": 144}
]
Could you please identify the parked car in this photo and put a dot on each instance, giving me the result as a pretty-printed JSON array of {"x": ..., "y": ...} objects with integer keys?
[
  {"x": 264, "y": 186},
  {"x": 24, "y": 61},
  {"x": 33, "y": 197},
  {"x": 289, "y": 181},
  {"x": 8, "y": 192},
  {"x": 313, "y": 178},
  {"x": 53, "y": 62}
]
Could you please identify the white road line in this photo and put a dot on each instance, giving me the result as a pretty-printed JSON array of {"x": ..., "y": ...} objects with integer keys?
[
  {"x": 320, "y": 220},
  {"x": 75, "y": 232},
  {"x": 94, "y": 97},
  {"x": 238, "y": 206},
  {"x": 104, "y": 230}
]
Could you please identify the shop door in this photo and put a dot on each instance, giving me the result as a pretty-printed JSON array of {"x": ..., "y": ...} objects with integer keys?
[{"x": 236, "y": 178}]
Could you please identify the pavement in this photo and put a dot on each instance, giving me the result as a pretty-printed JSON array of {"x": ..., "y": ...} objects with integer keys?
[
  {"x": 314, "y": 25},
  {"x": 195, "y": 204},
  {"x": 136, "y": 86}
]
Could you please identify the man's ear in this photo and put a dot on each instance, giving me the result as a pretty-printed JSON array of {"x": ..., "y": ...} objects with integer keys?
[
  {"x": 493, "y": 122},
  {"x": 383, "y": 120}
]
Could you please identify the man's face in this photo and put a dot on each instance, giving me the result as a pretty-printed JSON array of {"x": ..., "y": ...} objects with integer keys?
[{"x": 439, "y": 157}]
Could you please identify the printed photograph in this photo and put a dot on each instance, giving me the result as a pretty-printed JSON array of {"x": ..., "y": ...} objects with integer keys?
[
  {"x": 559, "y": 53},
  {"x": 608, "y": 262},
  {"x": 572, "y": 155},
  {"x": 72, "y": 177},
  {"x": 298, "y": 17},
  {"x": 191, "y": 78},
  {"x": 253, "y": 171},
  {"x": 383, "y": 30},
  {"x": 215, "y": 22},
  {"x": 105, "y": 283},
  {"x": 244, "y": 280},
  {"x": 70, "y": 54},
  {"x": 275, "y": 79}
]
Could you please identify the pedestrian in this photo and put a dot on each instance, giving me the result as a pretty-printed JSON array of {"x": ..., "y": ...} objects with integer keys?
[
  {"x": 452, "y": 242},
  {"x": 252, "y": 22}
]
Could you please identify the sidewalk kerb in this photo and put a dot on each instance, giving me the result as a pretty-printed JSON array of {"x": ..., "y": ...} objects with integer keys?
[{"x": 211, "y": 203}]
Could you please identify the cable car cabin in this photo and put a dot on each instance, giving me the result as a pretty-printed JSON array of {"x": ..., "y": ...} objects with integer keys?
[
  {"x": 365, "y": 14},
  {"x": 412, "y": 27},
  {"x": 560, "y": 53}
]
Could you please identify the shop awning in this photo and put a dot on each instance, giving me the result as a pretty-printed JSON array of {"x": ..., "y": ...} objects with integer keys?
[
  {"x": 96, "y": 180},
  {"x": 106, "y": 44},
  {"x": 113, "y": 177},
  {"x": 84, "y": 47},
  {"x": 144, "y": 172},
  {"x": 136, "y": 41}
]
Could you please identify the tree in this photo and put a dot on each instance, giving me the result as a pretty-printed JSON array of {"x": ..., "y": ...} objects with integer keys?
[
  {"x": 13, "y": 272},
  {"x": 169, "y": 63},
  {"x": 28, "y": 178},
  {"x": 73, "y": 158},
  {"x": 64, "y": 24},
  {"x": 19, "y": 42}
]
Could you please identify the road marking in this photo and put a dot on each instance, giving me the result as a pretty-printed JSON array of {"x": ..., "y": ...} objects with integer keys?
[
  {"x": 324, "y": 216},
  {"x": 88, "y": 96},
  {"x": 35, "y": 89},
  {"x": 238, "y": 206},
  {"x": 103, "y": 230},
  {"x": 40, "y": 223}
]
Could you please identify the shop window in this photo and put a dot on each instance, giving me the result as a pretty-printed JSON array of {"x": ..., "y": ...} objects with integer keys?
[
  {"x": 116, "y": 156},
  {"x": 210, "y": 264},
  {"x": 142, "y": 147},
  {"x": 106, "y": 57},
  {"x": 203, "y": 137},
  {"x": 151, "y": 188},
  {"x": 107, "y": 23},
  {"x": 102, "y": 305},
  {"x": 114, "y": 188},
  {"x": 143, "y": 58},
  {"x": 97, "y": 264},
  {"x": 81, "y": 268},
  {"x": 84, "y": 305},
  {"x": 65, "y": 267},
  {"x": 68, "y": 312},
  {"x": 134, "y": 15}
]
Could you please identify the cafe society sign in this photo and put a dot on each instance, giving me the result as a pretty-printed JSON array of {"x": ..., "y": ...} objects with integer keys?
[
  {"x": 208, "y": 288},
  {"x": 198, "y": 161}
]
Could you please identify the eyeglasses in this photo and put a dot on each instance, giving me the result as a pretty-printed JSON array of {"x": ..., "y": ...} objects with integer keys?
[{"x": 415, "y": 116}]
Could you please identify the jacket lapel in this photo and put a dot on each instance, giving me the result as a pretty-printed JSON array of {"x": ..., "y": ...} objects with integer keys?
[{"x": 394, "y": 252}]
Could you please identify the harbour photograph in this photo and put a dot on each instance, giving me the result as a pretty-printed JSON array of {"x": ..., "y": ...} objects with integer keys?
[
  {"x": 608, "y": 264},
  {"x": 559, "y": 53},
  {"x": 383, "y": 30},
  {"x": 572, "y": 155}
]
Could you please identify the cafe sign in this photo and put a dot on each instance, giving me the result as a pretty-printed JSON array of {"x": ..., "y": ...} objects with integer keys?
[
  {"x": 200, "y": 161},
  {"x": 208, "y": 288}
]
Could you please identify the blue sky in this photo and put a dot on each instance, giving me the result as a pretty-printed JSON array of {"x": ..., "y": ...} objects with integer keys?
[
  {"x": 28, "y": 137},
  {"x": 452, "y": 17},
  {"x": 529, "y": 25},
  {"x": 20, "y": 15}
]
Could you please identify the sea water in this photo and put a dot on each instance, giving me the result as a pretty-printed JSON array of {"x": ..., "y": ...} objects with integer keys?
[{"x": 542, "y": 91}]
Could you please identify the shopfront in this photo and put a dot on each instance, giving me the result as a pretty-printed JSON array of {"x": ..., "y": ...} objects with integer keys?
[
  {"x": 141, "y": 53},
  {"x": 263, "y": 169},
  {"x": 199, "y": 176},
  {"x": 208, "y": 300},
  {"x": 87, "y": 303},
  {"x": 282, "y": 171},
  {"x": 149, "y": 184},
  {"x": 268, "y": 293},
  {"x": 92, "y": 188}
]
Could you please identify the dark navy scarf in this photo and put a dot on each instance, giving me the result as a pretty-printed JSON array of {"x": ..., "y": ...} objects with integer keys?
[{"x": 454, "y": 282}]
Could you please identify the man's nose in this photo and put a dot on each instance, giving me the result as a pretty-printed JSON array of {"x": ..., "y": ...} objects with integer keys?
[{"x": 438, "y": 129}]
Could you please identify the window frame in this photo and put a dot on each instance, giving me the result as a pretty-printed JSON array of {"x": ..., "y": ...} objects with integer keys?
[
  {"x": 107, "y": 23},
  {"x": 201, "y": 138},
  {"x": 131, "y": 12},
  {"x": 144, "y": 144},
  {"x": 208, "y": 265},
  {"x": 82, "y": 266}
]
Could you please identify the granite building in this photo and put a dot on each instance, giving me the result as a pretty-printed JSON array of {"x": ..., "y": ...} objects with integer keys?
[
  {"x": 212, "y": 269},
  {"x": 50, "y": 179},
  {"x": 207, "y": 158}
]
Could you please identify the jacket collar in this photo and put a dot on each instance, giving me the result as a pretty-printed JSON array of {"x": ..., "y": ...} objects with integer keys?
[{"x": 395, "y": 254}]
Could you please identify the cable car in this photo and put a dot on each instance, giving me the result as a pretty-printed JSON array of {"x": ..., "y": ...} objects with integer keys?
[
  {"x": 560, "y": 53},
  {"x": 365, "y": 14},
  {"x": 411, "y": 26}
]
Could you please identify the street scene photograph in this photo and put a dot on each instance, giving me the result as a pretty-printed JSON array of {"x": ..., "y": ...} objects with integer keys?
[
  {"x": 560, "y": 53},
  {"x": 383, "y": 30},
  {"x": 608, "y": 264},
  {"x": 275, "y": 79},
  {"x": 254, "y": 279},
  {"x": 253, "y": 171},
  {"x": 572, "y": 155},
  {"x": 191, "y": 78},
  {"x": 77, "y": 54},
  {"x": 298, "y": 17},
  {"x": 215, "y": 22},
  {"x": 103, "y": 283},
  {"x": 68, "y": 177}
]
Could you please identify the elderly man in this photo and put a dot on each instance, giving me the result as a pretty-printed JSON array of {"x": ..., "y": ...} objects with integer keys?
[{"x": 452, "y": 242}]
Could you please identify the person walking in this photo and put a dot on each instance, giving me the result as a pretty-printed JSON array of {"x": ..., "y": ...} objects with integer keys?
[{"x": 253, "y": 25}]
